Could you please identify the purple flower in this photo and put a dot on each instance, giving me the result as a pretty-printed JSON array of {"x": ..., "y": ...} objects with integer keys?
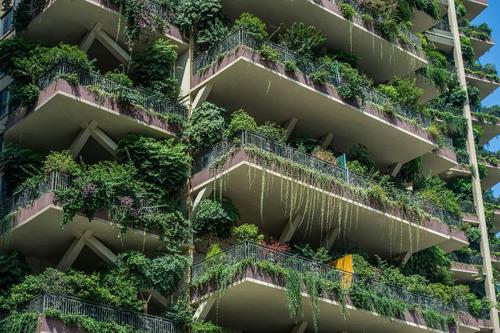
[
  {"x": 126, "y": 201},
  {"x": 89, "y": 190}
]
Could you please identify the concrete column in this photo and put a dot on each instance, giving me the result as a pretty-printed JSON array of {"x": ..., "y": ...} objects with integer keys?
[{"x": 476, "y": 182}]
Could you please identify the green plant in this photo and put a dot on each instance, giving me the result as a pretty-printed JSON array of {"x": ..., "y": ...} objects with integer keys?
[
  {"x": 60, "y": 161},
  {"x": 302, "y": 39},
  {"x": 152, "y": 69},
  {"x": 324, "y": 155},
  {"x": 290, "y": 66},
  {"x": 267, "y": 52},
  {"x": 241, "y": 121},
  {"x": 431, "y": 263},
  {"x": 164, "y": 163},
  {"x": 251, "y": 24},
  {"x": 347, "y": 10},
  {"x": 214, "y": 219},
  {"x": 196, "y": 14},
  {"x": 273, "y": 131},
  {"x": 213, "y": 33},
  {"x": 12, "y": 270},
  {"x": 207, "y": 126},
  {"x": 248, "y": 232},
  {"x": 205, "y": 327}
]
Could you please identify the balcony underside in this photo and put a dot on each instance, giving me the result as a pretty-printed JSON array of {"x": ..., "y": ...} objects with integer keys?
[
  {"x": 241, "y": 81},
  {"x": 481, "y": 46},
  {"x": 356, "y": 222},
  {"x": 438, "y": 161},
  {"x": 69, "y": 21},
  {"x": 378, "y": 58},
  {"x": 486, "y": 87},
  {"x": 474, "y": 8},
  {"x": 63, "y": 111},
  {"x": 265, "y": 306},
  {"x": 490, "y": 130},
  {"x": 466, "y": 273},
  {"x": 492, "y": 177},
  {"x": 495, "y": 262},
  {"x": 442, "y": 40},
  {"x": 36, "y": 232}
]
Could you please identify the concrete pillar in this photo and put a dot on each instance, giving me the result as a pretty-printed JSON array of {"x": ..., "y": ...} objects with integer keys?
[{"x": 476, "y": 182}]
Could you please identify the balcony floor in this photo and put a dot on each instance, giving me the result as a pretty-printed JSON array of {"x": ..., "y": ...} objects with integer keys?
[{"x": 464, "y": 273}]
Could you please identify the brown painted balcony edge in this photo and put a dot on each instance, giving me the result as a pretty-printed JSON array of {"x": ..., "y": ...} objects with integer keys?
[
  {"x": 81, "y": 93},
  {"x": 240, "y": 156},
  {"x": 303, "y": 79},
  {"x": 448, "y": 153},
  {"x": 261, "y": 275}
]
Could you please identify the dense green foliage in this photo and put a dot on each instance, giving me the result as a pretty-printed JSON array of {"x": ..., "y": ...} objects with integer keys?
[
  {"x": 207, "y": 126},
  {"x": 215, "y": 218},
  {"x": 431, "y": 263},
  {"x": 20, "y": 164}
]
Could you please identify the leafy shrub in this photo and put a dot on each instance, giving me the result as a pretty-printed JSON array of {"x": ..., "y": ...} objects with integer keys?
[
  {"x": 432, "y": 263},
  {"x": 434, "y": 189},
  {"x": 162, "y": 162},
  {"x": 290, "y": 66},
  {"x": 207, "y": 126},
  {"x": 360, "y": 153},
  {"x": 321, "y": 255},
  {"x": 213, "y": 33},
  {"x": 153, "y": 68},
  {"x": 302, "y": 39},
  {"x": 61, "y": 162},
  {"x": 268, "y": 53},
  {"x": 347, "y": 10},
  {"x": 197, "y": 14},
  {"x": 350, "y": 87},
  {"x": 273, "y": 131},
  {"x": 214, "y": 219},
  {"x": 12, "y": 270},
  {"x": 251, "y": 24},
  {"x": 248, "y": 232},
  {"x": 241, "y": 121},
  {"x": 205, "y": 327}
]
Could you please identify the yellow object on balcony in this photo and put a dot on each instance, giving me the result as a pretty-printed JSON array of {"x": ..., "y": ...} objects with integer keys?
[{"x": 345, "y": 265}]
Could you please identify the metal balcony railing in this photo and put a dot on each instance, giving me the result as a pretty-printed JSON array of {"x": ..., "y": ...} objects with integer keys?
[
  {"x": 244, "y": 38},
  {"x": 248, "y": 139},
  {"x": 253, "y": 253},
  {"x": 468, "y": 207},
  {"x": 87, "y": 78},
  {"x": 70, "y": 305}
]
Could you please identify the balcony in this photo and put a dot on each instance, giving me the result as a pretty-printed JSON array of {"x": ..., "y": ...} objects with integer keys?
[
  {"x": 64, "y": 110},
  {"x": 492, "y": 176},
  {"x": 248, "y": 171},
  {"x": 99, "y": 19},
  {"x": 470, "y": 214},
  {"x": 380, "y": 59},
  {"x": 253, "y": 286},
  {"x": 466, "y": 268},
  {"x": 31, "y": 222},
  {"x": 485, "y": 82},
  {"x": 240, "y": 78},
  {"x": 474, "y": 8},
  {"x": 67, "y": 305},
  {"x": 441, "y": 159}
]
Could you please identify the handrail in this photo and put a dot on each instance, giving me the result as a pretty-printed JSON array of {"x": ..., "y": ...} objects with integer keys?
[
  {"x": 244, "y": 38},
  {"x": 72, "y": 305},
  {"x": 252, "y": 252},
  {"x": 246, "y": 138},
  {"x": 89, "y": 78}
]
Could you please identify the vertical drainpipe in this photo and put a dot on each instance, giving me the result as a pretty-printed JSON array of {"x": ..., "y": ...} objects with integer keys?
[{"x": 476, "y": 182}]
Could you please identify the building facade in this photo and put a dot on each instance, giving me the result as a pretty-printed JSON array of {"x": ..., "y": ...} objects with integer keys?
[{"x": 247, "y": 166}]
